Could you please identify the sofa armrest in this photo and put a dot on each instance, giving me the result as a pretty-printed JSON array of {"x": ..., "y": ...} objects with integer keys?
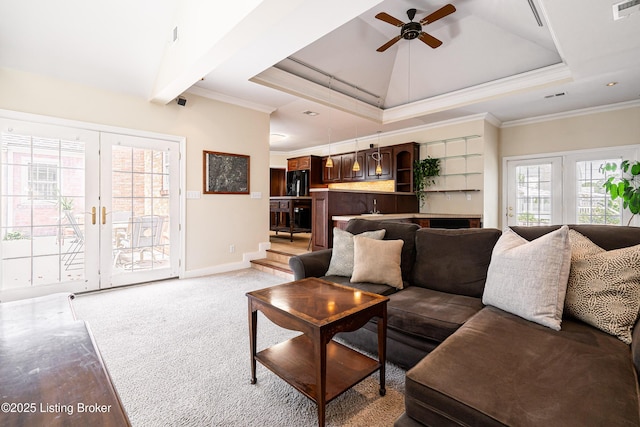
[{"x": 311, "y": 264}]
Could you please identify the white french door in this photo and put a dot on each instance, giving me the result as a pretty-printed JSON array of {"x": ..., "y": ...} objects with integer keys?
[
  {"x": 83, "y": 210},
  {"x": 566, "y": 188},
  {"x": 534, "y": 191},
  {"x": 139, "y": 209}
]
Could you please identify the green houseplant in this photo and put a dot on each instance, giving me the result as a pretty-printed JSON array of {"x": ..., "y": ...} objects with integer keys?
[
  {"x": 424, "y": 172},
  {"x": 626, "y": 187}
]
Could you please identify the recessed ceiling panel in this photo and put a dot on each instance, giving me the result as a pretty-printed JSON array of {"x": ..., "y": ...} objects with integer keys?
[{"x": 480, "y": 43}]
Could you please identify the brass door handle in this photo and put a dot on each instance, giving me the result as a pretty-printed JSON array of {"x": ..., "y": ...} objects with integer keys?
[
  {"x": 104, "y": 215},
  {"x": 93, "y": 215}
]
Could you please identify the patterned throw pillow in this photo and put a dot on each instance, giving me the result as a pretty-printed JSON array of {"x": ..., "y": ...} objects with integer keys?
[
  {"x": 604, "y": 286},
  {"x": 341, "y": 263}
]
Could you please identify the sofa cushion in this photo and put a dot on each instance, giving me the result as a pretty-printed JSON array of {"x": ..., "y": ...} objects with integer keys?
[
  {"x": 394, "y": 231},
  {"x": 375, "y": 288},
  {"x": 454, "y": 261},
  {"x": 529, "y": 279},
  {"x": 501, "y": 369},
  {"x": 377, "y": 261},
  {"x": 604, "y": 286},
  {"x": 429, "y": 314},
  {"x": 341, "y": 263}
]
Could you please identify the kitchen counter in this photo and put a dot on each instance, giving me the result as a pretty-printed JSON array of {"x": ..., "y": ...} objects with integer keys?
[
  {"x": 406, "y": 216},
  {"x": 359, "y": 191},
  {"x": 290, "y": 198},
  {"x": 426, "y": 220}
]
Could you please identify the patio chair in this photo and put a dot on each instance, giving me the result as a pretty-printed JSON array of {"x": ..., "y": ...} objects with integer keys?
[{"x": 70, "y": 257}]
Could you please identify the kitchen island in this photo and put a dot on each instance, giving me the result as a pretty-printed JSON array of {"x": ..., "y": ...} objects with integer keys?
[
  {"x": 427, "y": 220},
  {"x": 328, "y": 203},
  {"x": 290, "y": 214}
]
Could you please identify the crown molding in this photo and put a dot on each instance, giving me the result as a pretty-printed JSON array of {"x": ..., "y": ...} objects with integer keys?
[
  {"x": 572, "y": 113},
  {"x": 374, "y": 137},
  {"x": 523, "y": 82}
]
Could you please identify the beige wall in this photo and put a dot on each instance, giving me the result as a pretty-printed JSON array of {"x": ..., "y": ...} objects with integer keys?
[
  {"x": 213, "y": 222},
  {"x": 603, "y": 129}
]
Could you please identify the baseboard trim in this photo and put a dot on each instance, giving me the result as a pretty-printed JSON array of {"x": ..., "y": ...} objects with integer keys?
[{"x": 232, "y": 266}]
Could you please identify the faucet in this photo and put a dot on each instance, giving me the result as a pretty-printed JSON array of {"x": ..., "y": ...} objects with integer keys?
[{"x": 375, "y": 207}]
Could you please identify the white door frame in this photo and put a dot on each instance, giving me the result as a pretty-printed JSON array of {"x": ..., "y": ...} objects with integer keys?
[{"x": 509, "y": 165}]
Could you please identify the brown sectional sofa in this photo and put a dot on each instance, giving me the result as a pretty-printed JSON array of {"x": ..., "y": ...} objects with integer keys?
[{"x": 473, "y": 365}]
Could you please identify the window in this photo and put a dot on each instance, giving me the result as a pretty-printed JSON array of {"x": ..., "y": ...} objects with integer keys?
[
  {"x": 593, "y": 204},
  {"x": 534, "y": 194},
  {"x": 43, "y": 181}
]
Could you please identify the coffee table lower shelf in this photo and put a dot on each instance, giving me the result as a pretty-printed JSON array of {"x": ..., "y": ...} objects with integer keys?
[{"x": 294, "y": 362}]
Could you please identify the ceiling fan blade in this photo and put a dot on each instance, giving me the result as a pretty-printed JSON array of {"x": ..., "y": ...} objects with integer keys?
[
  {"x": 430, "y": 40},
  {"x": 388, "y": 44},
  {"x": 389, "y": 19},
  {"x": 438, "y": 14}
]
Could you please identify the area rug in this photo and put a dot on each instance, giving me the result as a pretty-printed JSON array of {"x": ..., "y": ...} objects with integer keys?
[{"x": 178, "y": 354}]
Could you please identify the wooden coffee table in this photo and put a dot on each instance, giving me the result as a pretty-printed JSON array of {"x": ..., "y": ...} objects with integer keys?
[{"x": 313, "y": 363}]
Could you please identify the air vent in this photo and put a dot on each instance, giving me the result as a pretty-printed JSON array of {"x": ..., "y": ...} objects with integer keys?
[
  {"x": 625, "y": 8},
  {"x": 554, "y": 95}
]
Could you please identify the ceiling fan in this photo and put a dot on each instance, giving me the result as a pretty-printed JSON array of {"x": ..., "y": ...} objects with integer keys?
[{"x": 412, "y": 30}]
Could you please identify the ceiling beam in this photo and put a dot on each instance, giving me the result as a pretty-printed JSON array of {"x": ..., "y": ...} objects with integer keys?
[{"x": 201, "y": 48}]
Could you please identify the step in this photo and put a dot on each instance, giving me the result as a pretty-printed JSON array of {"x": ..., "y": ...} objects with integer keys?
[
  {"x": 279, "y": 256},
  {"x": 276, "y": 268}
]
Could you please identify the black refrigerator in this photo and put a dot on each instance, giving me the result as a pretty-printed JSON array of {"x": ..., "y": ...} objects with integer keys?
[{"x": 298, "y": 183}]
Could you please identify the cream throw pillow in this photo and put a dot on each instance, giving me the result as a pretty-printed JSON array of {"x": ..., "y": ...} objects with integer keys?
[
  {"x": 604, "y": 286},
  {"x": 377, "y": 261},
  {"x": 529, "y": 279},
  {"x": 341, "y": 263}
]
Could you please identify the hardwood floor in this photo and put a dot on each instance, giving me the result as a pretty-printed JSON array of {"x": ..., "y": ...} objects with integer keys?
[
  {"x": 282, "y": 248},
  {"x": 282, "y": 243}
]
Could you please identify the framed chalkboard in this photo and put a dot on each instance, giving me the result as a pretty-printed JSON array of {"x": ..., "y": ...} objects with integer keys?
[{"x": 225, "y": 173}]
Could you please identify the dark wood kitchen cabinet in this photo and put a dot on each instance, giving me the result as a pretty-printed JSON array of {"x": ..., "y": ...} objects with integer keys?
[
  {"x": 332, "y": 174},
  {"x": 405, "y": 156},
  {"x": 386, "y": 163},
  {"x": 347, "y": 161}
]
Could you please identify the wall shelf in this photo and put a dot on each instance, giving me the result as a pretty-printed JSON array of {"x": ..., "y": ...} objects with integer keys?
[
  {"x": 465, "y": 190},
  {"x": 461, "y": 161}
]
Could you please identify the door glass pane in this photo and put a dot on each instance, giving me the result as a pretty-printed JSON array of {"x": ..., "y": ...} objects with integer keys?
[
  {"x": 140, "y": 203},
  {"x": 533, "y": 194},
  {"x": 42, "y": 204},
  {"x": 593, "y": 205}
]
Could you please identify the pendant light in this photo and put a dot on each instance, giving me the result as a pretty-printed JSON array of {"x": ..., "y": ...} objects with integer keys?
[
  {"x": 376, "y": 157},
  {"x": 356, "y": 165},
  {"x": 329, "y": 162}
]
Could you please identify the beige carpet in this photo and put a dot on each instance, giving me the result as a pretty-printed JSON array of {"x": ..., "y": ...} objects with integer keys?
[{"x": 178, "y": 353}]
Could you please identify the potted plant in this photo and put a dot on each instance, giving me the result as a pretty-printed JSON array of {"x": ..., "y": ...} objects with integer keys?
[
  {"x": 424, "y": 172},
  {"x": 66, "y": 203},
  {"x": 625, "y": 187}
]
